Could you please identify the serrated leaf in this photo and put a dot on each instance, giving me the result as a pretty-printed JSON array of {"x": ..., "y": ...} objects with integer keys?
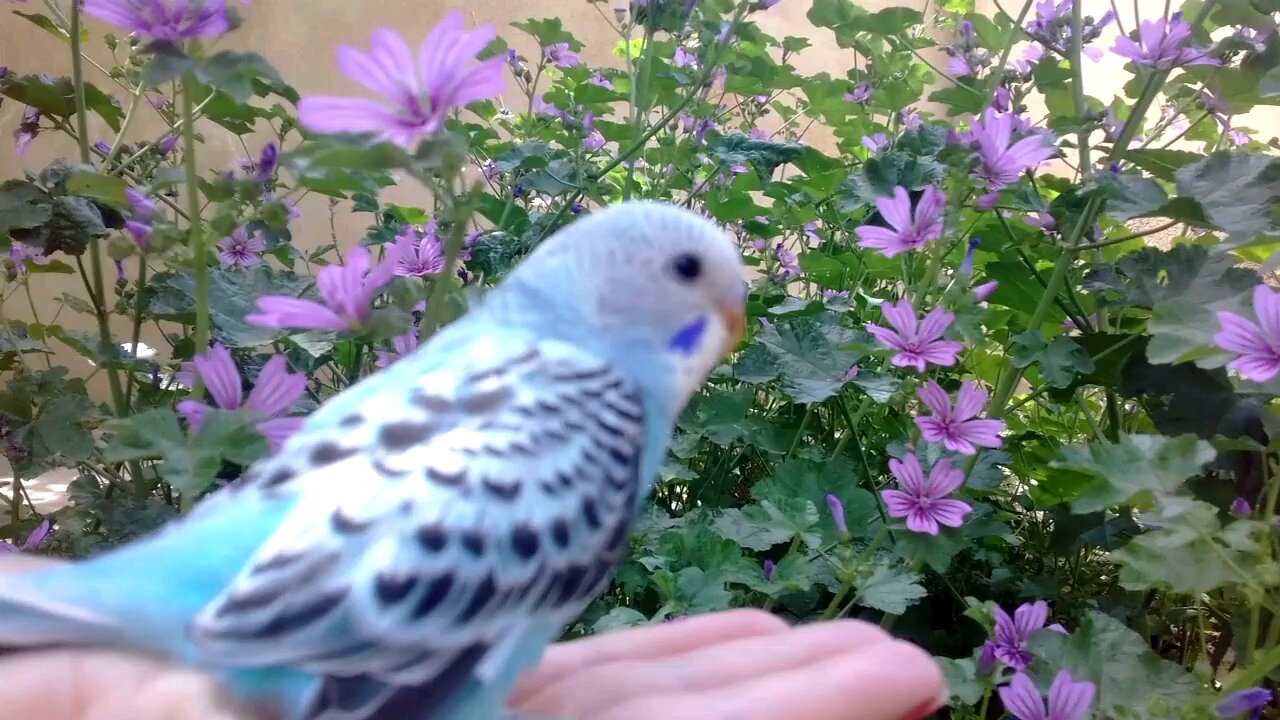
[
  {"x": 763, "y": 525},
  {"x": 1184, "y": 551},
  {"x": 1235, "y": 189},
  {"x": 1059, "y": 360},
  {"x": 1138, "y": 470},
  {"x": 890, "y": 589},
  {"x": 809, "y": 356}
]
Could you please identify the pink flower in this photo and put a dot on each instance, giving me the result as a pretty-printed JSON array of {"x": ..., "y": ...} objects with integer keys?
[
  {"x": 597, "y": 78},
  {"x": 956, "y": 427},
  {"x": 918, "y": 342},
  {"x": 38, "y": 536},
  {"x": 909, "y": 231},
  {"x": 1000, "y": 163},
  {"x": 860, "y": 93},
  {"x": 239, "y": 248},
  {"x": 422, "y": 92},
  {"x": 1042, "y": 220},
  {"x": 1068, "y": 699},
  {"x": 684, "y": 58},
  {"x": 419, "y": 257},
  {"x": 347, "y": 292},
  {"x": 167, "y": 20},
  {"x": 275, "y": 390},
  {"x": 983, "y": 291},
  {"x": 787, "y": 261},
  {"x": 1162, "y": 44},
  {"x": 1258, "y": 345},
  {"x": 924, "y": 502},
  {"x": 875, "y": 143},
  {"x": 559, "y": 53},
  {"x": 401, "y": 345}
]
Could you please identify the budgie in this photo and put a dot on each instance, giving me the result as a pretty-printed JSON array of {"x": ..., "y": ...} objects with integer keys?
[{"x": 430, "y": 530}]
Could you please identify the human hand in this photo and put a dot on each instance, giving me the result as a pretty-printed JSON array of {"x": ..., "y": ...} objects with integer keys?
[{"x": 735, "y": 665}]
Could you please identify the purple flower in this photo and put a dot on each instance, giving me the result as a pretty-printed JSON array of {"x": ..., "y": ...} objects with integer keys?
[
  {"x": 241, "y": 249},
  {"x": 597, "y": 78},
  {"x": 346, "y": 291},
  {"x": 1240, "y": 507},
  {"x": 26, "y": 131},
  {"x": 909, "y": 232},
  {"x": 852, "y": 372},
  {"x": 983, "y": 291},
  {"x": 966, "y": 265},
  {"x": 837, "y": 514},
  {"x": 1068, "y": 699},
  {"x": 103, "y": 147},
  {"x": 1258, "y": 345},
  {"x": 20, "y": 253},
  {"x": 559, "y": 53},
  {"x": 516, "y": 63},
  {"x": 1014, "y": 633},
  {"x": 1162, "y": 44},
  {"x": 987, "y": 201},
  {"x": 1030, "y": 56},
  {"x": 918, "y": 342},
  {"x": 542, "y": 107},
  {"x": 924, "y": 502},
  {"x": 684, "y": 58},
  {"x": 910, "y": 118},
  {"x": 875, "y": 143},
  {"x": 999, "y": 162},
  {"x": 1250, "y": 700},
  {"x": 422, "y": 93},
  {"x": 1003, "y": 100},
  {"x": 140, "y": 232},
  {"x": 142, "y": 207},
  {"x": 38, "y": 536},
  {"x": 167, "y": 144},
  {"x": 810, "y": 230},
  {"x": 167, "y": 20},
  {"x": 401, "y": 345},
  {"x": 1042, "y": 220},
  {"x": 987, "y": 660},
  {"x": 267, "y": 162},
  {"x": 768, "y": 569},
  {"x": 958, "y": 66},
  {"x": 833, "y": 294},
  {"x": 419, "y": 253},
  {"x": 787, "y": 261},
  {"x": 956, "y": 427},
  {"x": 275, "y": 390},
  {"x": 860, "y": 93},
  {"x": 1238, "y": 138}
]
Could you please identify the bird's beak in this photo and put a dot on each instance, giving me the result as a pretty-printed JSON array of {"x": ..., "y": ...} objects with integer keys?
[{"x": 734, "y": 317}]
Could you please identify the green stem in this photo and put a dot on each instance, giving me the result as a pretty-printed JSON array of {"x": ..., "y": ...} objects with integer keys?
[
  {"x": 15, "y": 508},
  {"x": 95, "y": 251},
  {"x": 199, "y": 253},
  {"x": 804, "y": 423},
  {"x": 1261, "y": 666},
  {"x": 435, "y": 315},
  {"x": 139, "y": 303},
  {"x": 124, "y": 127},
  {"x": 1126, "y": 238},
  {"x": 1077, "y": 86}
]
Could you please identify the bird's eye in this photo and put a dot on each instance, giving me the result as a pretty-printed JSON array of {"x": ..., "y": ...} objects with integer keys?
[{"x": 687, "y": 267}]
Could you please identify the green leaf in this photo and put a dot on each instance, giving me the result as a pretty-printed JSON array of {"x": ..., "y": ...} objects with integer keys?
[
  {"x": 44, "y": 23},
  {"x": 962, "y": 680},
  {"x": 1185, "y": 552},
  {"x": 1132, "y": 681},
  {"x": 1138, "y": 470},
  {"x": 233, "y": 295},
  {"x": 890, "y": 588},
  {"x": 235, "y": 73},
  {"x": 763, "y": 155},
  {"x": 166, "y": 63},
  {"x": 23, "y": 205},
  {"x": 1130, "y": 196},
  {"x": 809, "y": 356},
  {"x": 148, "y": 435},
  {"x": 104, "y": 188},
  {"x": 936, "y": 551},
  {"x": 619, "y": 618},
  {"x": 720, "y": 415},
  {"x": 761, "y": 526},
  {"x": 1235, "y": 189},
  {"x": 1059, "y": 360},
  {"x": 1164, "y": 164},
  {"x": 1187, "y": 272}
]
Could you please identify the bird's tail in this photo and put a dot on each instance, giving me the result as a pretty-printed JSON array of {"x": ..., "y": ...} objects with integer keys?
[{"x": 34, "y": 615}]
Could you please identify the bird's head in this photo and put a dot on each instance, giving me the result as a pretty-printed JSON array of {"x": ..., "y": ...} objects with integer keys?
[{"x": 655, "y": 287}]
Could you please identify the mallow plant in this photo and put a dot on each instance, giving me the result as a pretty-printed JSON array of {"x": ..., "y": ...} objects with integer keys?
[{"x": 1010, "y": 385}]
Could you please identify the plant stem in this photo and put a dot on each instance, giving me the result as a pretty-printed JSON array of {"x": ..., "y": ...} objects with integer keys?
[
  {"x": 433, "y": 319},
  {"x": 199, "y": 254},
  {"x": 136, "y": 336},
  {"x": 107, "y": 346},
  {"x": 1077, "y": 86},
  {"x": 15, "y": 507},
  {"x": 1126, "y": 238},
  {"x": 1008, "y": 48}
]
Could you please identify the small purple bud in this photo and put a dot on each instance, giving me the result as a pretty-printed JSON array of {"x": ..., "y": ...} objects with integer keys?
[
  {"x": 986, "y": 202},
  {"x": 987, "y": 660},
  {"x": 38, "y": 536},
  {"x": 167, "y": 144},
  {"x": 140, "y": 205},
  {"x": 837, "y": 514},
  {"x": 1241, "y": 507},
  {"x": 770, "y": 567},
  {"x": 1002, "y": 99},
  {"x": 1114, "y": 168},
  {"x": 4, "y": 71},
  {"x": 267, "y": 162},
  {"x": 966, "y": 265},
  {"x": 140, "y": 232},
  {"x": 518, "y": 190},
  {"x": 966, "y": 32},
  {"x": 121, "y": 275},
  {"x": 983, "y": 291},
  {"x": 576, "y": 208},
  {"x": 102, "y": 146}
]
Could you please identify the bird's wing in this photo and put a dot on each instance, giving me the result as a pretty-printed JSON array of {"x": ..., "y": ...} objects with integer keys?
[{"x": 433, "y": 520}]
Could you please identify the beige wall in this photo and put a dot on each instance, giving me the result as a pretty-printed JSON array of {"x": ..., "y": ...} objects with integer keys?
[{"x": 299, "y": 37}]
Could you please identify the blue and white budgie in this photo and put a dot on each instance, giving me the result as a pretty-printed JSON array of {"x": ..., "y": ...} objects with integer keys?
[{"x": 430, "y": 530}]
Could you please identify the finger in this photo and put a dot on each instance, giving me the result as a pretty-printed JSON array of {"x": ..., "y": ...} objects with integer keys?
[
  {"x": 651, "y": 641},
  {"x": 15, "y": 563},
  {"x": 587, "y": 692},
  {"x": 894, "y": 681},
  {"x": 105, "y": 685}
]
